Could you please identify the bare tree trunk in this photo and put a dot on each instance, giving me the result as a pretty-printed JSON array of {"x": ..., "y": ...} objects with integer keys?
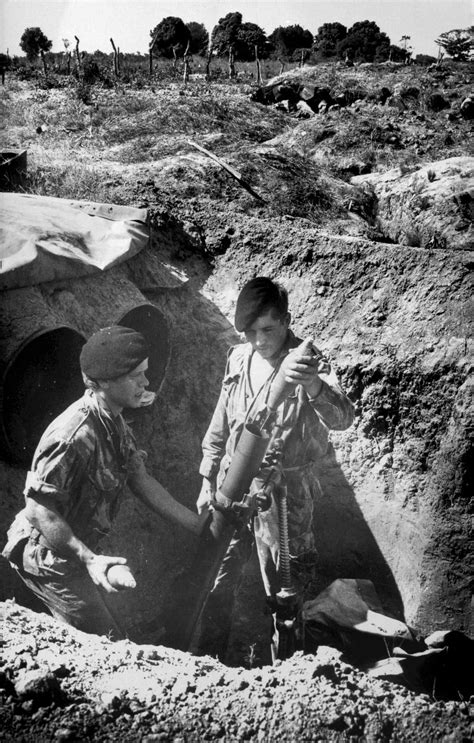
[
  {"x": 150, "y": 52},
  {"x": 259, "y": 72},
  {"x": 68, "y": 62},
  {"x": 231, "y": 62},
  {"x": 301, "y": 59},
  {"x": 43, "y": 59},
  {"x": 282, "y": 67},
  {"x": 208, "y": 64},
  {"x": 186, "y": 66},
  {"x": 175, "y": 59},
  {"x": 116, "y": 62},
  {"x": 78, "y": 57}
]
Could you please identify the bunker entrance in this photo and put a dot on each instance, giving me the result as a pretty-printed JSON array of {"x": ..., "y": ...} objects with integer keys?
[{"x": 41, "y": 379}]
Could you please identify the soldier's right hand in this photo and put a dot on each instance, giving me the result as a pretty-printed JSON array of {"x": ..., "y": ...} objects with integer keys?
[
  {"x": 207, "y": 494},
  {"x": 97, "y": 567}
]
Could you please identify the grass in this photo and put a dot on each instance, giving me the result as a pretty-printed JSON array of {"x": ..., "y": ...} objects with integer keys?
[{"x": 146, "y": 121}]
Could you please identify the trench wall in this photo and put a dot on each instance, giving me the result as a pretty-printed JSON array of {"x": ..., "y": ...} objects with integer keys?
[{"x": 394, "y": 503}]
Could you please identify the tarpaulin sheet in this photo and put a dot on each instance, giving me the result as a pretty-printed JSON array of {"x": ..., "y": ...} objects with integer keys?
[{"x": 43, "y": 238}]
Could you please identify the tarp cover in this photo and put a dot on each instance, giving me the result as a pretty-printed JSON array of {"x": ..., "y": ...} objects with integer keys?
[{"x": 43, "y": 238}]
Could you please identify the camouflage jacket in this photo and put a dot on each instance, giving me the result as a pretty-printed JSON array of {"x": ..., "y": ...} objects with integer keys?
[
  {"x": 81, "y": 464},
  {"x": 305, "y": 423}
]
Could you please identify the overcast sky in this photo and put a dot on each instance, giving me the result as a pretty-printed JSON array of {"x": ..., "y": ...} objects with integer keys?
[{"x": 129, "y": 21}]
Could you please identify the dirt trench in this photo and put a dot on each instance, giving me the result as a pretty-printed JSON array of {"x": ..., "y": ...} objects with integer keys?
[{"x": 394, "y": 504}]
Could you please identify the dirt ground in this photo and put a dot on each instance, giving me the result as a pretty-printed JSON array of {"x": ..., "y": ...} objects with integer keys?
[
  {"x": 58, "y": 684},
  {"x": 365, "y": 214}
]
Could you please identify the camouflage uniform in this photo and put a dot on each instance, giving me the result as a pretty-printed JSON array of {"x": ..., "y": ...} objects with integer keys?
[
  {"x": 304, "y": 438},
  {"x": 81, "y": 465}
]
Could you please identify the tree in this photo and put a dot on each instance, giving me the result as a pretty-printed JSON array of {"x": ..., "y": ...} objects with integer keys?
[
  {"x": 365, "y": 42},
  {"x": 328, "y": 37},
  {"x": 225, "y": 33},
  {"x": 170, "y": 37},
  {"x": 286, "y": 39},
  {"x": 34, "y": 42},
  {"x": 249, "y": 36},
  {"x": 199, "y": 38},
  {"x": 458, "y": 43},
  {"x": 398, "y": 54}
]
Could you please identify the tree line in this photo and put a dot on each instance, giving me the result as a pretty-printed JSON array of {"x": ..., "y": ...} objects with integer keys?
[{"x": 362, "y": 42}]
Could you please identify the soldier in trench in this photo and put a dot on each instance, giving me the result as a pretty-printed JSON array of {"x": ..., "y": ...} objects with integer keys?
[
  {"x": 317, "y": 405},
  {"x": 80, "y": 468}
]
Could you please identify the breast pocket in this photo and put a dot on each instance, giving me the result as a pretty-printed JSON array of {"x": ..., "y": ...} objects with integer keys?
[{"x": 107, "y": 481}]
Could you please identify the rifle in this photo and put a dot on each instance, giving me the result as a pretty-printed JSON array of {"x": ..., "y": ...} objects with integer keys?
[{"x": 233, "y": 507}]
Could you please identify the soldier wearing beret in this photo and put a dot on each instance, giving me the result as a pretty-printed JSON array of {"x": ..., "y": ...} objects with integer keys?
[
  {"x": 317, "y": 405},
  {"x": 80, "y": 468}
]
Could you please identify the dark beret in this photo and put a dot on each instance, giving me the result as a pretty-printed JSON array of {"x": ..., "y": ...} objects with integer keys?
[
  {"x": 113, "y": 352},
  {"x": 256, "y": 297}
]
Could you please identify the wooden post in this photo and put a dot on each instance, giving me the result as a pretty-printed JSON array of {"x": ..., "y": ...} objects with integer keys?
[
  {"x": 231, "y": 62},
  {"x": 302, "y": 58},
  {"x": 259, "y": 72},
  {"x": 186, "y": 66},
  {"x": 116, "y": 64}
]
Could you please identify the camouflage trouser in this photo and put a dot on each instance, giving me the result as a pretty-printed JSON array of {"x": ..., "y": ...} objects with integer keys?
[
  {"x": 67, "y": 590},
  {"x": 217, "y": 615}
]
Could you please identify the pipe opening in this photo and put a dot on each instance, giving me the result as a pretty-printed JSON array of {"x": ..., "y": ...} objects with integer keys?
[
  {"x": 151, "y": 323},
  {"x": 41, "y": 379}
]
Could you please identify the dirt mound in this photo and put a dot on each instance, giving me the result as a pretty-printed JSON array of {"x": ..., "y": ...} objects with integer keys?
[{"x": 58, "y": 684}]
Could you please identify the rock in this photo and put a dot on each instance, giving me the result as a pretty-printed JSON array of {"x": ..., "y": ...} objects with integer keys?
[
  {"x": 436, "y": 102},
  {"x": 65, "y": 734},
  {"x": 39, "y": 687},
  {"x": 304, "y": 111}
]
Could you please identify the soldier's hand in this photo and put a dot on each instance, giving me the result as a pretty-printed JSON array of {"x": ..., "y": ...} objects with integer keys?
[
  {"x": 206, "y": 495},
  {"x": 302, "y": 367},
  {"x": 97, "y": 567}
]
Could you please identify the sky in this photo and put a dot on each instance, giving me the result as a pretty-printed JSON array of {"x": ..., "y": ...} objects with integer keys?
[{"x": 129, "y": 22}]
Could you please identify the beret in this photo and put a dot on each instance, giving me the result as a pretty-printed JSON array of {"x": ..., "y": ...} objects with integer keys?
[
  {"x": 255, "y": 298},
  {"x": 113, "y": 352}
]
